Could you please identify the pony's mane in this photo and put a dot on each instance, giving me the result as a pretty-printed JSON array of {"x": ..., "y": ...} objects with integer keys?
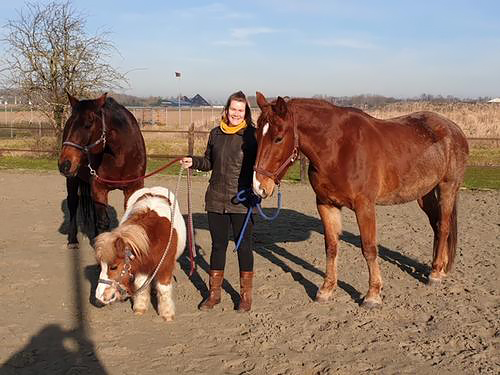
[{"x": 132, "y": 235}]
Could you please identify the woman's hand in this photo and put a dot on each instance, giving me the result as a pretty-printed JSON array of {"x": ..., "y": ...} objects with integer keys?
[{"x": 186, "y": 162}]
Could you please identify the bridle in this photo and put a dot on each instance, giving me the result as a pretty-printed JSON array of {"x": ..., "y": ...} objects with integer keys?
[
  {"x": 125, "y": 272},
  {"x": 86, "y": 149},
  {"x": 289, "y": 161}
]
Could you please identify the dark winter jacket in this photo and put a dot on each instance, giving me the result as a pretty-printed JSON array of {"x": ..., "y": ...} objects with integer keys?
[{"x": 230, "y": 157}]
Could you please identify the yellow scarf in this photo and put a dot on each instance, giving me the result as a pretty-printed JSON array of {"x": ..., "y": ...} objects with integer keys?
[{"x": 228, "y": 129}]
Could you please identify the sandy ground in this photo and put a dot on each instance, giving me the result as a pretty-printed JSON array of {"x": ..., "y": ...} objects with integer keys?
[{"x": 49, "y": 325}]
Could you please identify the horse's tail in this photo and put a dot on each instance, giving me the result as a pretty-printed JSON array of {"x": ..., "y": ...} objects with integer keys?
[
  {"x": 452, "y": 236},
  {"x": 86, "y": 205}
]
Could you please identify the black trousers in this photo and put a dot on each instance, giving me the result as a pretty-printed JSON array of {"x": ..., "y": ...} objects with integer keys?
[{"x": 219, "y": 225}]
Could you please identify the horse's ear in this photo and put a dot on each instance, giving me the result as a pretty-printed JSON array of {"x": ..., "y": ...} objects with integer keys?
[
  {"x": 72, "y": 100},
  {"x": 101, "y": 100},
  {"x": 261, "y": 100},
  {"x": 280, "y": 107}
]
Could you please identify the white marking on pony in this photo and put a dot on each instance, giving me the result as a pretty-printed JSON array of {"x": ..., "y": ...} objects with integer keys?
[
  {"x": 166, "y": 306},
  {"x": 256, "y": 186},
  {"x": 103, "y": 288},
  {"x": 161, "y": 207},
  {"x": 265, "y": 128},
  {"x": 142, "y": 299}
]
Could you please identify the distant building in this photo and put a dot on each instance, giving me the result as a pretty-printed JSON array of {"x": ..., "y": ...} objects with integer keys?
[
  {"x": 195, "y": 101},
  {"x": 496, "y": 100}
]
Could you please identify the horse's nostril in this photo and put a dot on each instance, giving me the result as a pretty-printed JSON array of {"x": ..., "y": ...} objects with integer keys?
[{"x": 64, "y": 166}]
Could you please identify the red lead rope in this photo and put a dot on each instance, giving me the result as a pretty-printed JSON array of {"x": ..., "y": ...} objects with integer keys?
[{"x": 138, "y": 178}]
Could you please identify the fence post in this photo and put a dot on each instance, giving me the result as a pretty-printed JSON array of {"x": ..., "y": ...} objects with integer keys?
[
  {"x": 303, "y": 168},
  {"x": 166, "y": 116},
  {"x": 191, "y": 139}
]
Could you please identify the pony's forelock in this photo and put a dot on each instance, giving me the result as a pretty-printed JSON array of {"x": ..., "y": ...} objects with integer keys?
[
  {"x": 134, "y": 236},
  {"x": 104, "y": 247}
]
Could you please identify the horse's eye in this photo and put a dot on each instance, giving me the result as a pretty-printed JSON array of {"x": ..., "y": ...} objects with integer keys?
[
  {"x": 278, "y": 139},
  {"x": 113, "y": 267}
]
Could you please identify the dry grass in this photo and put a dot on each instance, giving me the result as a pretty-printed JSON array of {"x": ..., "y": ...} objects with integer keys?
[{"x": 475, "y": 119}]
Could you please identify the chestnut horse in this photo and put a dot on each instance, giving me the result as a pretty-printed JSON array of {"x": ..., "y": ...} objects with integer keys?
[
  {"x": 102, "y": 136},
  {"x": 131, "y": 253},
  {"x": 358, "y": 161}
]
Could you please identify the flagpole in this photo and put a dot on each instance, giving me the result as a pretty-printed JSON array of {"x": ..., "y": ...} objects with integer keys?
[{"x": 178, "y": 76}]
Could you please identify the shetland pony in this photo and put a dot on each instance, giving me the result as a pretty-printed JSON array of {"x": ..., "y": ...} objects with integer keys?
[
  {"x": 358, "y": 161},
  {"x": 130, "y": 254}
]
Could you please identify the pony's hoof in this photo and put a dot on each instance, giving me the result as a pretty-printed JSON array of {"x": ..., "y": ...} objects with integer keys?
[
  {"x": 372, "y": 302},
  {"x": 168, "y": 318},
  {"x": 73, "y": 246},
  {"x": 139, "y": 312}
]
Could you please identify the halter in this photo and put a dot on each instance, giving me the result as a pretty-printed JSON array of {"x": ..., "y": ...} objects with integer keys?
[
  {"x": 86, "y": 149},
  {"x": 289, "y": 161},
  {"x": 125, "y": 271}
]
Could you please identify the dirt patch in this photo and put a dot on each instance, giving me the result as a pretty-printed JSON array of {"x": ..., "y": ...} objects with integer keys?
[{"x": 48, "y": 324}]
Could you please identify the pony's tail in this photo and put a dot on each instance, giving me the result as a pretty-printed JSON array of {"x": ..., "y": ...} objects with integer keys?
[
  {"x": 87, "y": 206},
  {"x": 452, "y": 237}
]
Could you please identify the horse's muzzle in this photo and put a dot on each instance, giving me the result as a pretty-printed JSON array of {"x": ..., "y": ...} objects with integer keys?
[{"x": 65, "y": 168}]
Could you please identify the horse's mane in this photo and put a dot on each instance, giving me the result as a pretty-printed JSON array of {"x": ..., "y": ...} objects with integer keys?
[
  {"x": 119, "y": 113},
  {"x": 323, "y": 104},
  {"x": 132, "y": 235}
]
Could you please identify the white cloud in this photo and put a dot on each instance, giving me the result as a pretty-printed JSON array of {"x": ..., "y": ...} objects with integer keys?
[
  {"x": 214, "y": 10},
  {"x": 344, "y": 43},
  {"x": 241, "y": 36}
]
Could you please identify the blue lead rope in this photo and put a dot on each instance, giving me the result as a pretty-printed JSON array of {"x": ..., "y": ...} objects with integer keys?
[{"x": 247, "y": 195}]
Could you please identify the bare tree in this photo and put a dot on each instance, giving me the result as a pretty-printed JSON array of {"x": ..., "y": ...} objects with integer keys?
[{"x": 50, "y": 53}]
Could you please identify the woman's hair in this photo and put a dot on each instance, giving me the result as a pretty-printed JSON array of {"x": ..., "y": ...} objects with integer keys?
[{"x": 239, "y": 96}]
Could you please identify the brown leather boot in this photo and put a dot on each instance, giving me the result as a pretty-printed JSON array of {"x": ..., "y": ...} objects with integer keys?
[
  {"x": 215, "y": 282},
  {"x": 246, "y": 279}
]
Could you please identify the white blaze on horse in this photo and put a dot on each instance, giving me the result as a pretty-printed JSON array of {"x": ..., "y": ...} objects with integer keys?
[{"x": 130, "y": 254}]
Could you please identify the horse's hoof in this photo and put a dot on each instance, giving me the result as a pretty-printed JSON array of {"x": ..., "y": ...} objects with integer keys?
[
  {"x": 372, "y": 302},
  {"x": 73, "y": 246},
  {"x": 323, "y": 297},
  {"x": 434, "y": 281}
]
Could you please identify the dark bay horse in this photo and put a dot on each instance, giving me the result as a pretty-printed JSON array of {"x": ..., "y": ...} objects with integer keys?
[
  {"x": 358, "y": 161},
  {"x": 102, "y": 136}
]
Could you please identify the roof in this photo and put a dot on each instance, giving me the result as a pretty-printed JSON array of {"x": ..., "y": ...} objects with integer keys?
[{"x": 496, "y": 100}]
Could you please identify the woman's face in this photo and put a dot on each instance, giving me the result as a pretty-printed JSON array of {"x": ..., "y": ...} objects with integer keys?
[{"x": 236, "y": 112}]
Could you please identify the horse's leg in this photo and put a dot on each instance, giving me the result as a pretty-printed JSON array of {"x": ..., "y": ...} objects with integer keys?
[
  {"x": 129, "y": 190},
  {"x": 166, "y": 306},
  {"x": 447, "y": 228},
  {"x": 100, "y": 197},
  {"x": 143, "y": 298},
  {"x": 365, "y": 215},
  {"x": 332, "y": 224},
  {"x": 429, "y": 204},
  {"x": 72, "y": 202}
]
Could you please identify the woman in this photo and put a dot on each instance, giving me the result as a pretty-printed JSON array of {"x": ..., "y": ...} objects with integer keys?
[{"x": 230, "y": 155}]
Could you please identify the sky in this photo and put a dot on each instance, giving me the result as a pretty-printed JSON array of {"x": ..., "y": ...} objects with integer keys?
[{"x": 299, "y": 47}]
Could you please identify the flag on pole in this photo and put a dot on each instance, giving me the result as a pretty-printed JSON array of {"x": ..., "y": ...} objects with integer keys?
[{"x": 177, "y": 74}]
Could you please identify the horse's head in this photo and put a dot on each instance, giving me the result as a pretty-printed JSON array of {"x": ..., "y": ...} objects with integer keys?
[
  {"x": 118, "y": 252},
  {"x": 277, "y": 144},
  {"x": 83, "y": 133}
]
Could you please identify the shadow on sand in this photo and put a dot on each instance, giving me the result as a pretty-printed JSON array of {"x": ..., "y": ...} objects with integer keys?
[
  {"x": 293, "y": 226},
  {"x": 55, "y": 350}
]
